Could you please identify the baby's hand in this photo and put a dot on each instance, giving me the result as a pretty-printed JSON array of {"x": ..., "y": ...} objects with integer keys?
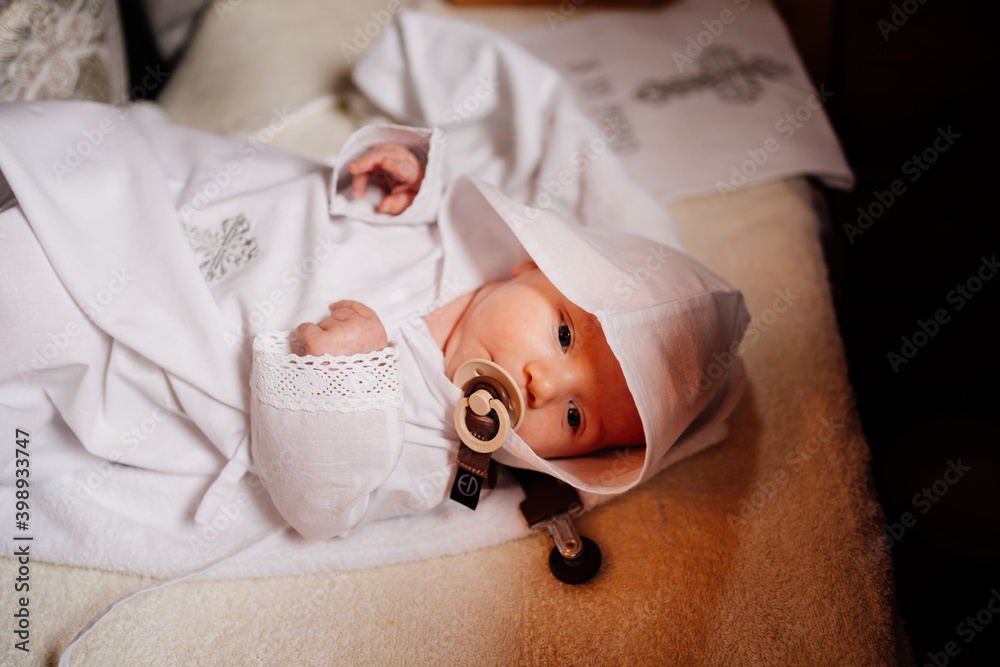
[
  {"x": 396, "y": 169},
  {"x": 351, "y": 328}
]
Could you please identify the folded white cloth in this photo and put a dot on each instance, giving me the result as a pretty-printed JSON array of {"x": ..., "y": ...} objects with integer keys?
[{"x": 716, "y": 85}]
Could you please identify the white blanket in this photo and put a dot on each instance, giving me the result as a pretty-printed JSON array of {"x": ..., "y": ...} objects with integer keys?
[{"x": 526, "y": 134}]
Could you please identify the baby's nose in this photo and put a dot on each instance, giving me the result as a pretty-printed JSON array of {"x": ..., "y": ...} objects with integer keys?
[{"x": 539, "y": 388}]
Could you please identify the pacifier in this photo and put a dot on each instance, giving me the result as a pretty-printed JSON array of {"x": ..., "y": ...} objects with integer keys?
[{"x": 491, "y": 406}]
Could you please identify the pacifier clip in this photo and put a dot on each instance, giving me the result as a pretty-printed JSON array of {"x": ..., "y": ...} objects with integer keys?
[{"x": 491, "y": 406}]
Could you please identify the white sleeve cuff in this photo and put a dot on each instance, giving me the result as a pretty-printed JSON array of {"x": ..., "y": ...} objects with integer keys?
[
  {"x": 325, "y": 431},
  {"x": 427, "y": 144},
  {"x": 285, "y": 380}
]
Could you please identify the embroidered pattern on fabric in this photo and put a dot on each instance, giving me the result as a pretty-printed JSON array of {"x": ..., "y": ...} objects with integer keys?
[
  {"x": 285, "y": 380},
  {"x": 60, "y": 49},
  {"x": 724, "y": 71},
  {"x": 220, "y": 251}
]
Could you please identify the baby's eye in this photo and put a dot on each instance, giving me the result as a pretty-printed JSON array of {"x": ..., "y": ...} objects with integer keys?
[
  {"x": 573, "y": 416},
  {"x": 565, "y": 337}
]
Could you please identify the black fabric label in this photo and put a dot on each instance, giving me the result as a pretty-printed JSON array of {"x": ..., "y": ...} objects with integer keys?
[{"x": 466, "y": 488}]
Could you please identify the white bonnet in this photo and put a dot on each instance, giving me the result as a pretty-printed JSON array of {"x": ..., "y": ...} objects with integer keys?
[{"x": 673, "y": 325}]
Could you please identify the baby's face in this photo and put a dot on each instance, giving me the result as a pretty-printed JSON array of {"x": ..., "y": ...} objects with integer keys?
[{"x": 575, "y": 392}]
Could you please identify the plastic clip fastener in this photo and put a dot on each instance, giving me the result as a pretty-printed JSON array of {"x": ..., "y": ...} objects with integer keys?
[
  {"x": 550, "y": 505},
  {"x": 564, "y": 534}
]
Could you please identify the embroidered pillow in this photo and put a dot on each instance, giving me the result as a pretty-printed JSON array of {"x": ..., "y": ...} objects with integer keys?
[{"x": 62, "y": 49}]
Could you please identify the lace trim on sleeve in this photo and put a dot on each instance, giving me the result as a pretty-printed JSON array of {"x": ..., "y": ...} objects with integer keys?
[{"x": 286, "y": 380}]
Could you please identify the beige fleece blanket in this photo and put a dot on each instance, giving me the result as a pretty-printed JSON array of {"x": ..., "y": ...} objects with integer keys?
[{"x": 763, "y": 550}]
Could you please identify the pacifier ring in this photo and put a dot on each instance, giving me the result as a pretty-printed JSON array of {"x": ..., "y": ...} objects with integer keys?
[{"x": 483, "y": 427}]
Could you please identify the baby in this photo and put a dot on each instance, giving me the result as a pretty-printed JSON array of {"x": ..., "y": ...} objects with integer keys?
[
  {"x": 582, "y": 420},
  {"x": 622, "y": 346},
  {"x": 576, "y": 397}
]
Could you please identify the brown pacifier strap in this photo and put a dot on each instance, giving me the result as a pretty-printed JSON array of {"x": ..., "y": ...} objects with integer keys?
[{"x": 476, "y": 469}]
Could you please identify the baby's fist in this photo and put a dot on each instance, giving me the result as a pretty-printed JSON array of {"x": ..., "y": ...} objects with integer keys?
[
  {"x": 396, "y": 169},
  {"x": 351, "y": 328}
]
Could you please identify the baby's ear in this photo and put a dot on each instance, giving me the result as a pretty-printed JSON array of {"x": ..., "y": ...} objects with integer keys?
[{"x": 524, "y": 266}]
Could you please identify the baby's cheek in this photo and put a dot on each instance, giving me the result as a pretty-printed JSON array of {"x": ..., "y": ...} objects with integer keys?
[{"x": 540, "y": 431}]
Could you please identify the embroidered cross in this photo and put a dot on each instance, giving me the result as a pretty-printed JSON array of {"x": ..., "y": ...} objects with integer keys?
[
  {"x": 219, "y": 251},
  {"x": 722, "y": 70}
]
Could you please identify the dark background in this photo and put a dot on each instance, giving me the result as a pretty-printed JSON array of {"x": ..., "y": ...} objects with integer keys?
[
  {"x": 893, "y": 94},
  {"x": 894, "y": 91}
]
